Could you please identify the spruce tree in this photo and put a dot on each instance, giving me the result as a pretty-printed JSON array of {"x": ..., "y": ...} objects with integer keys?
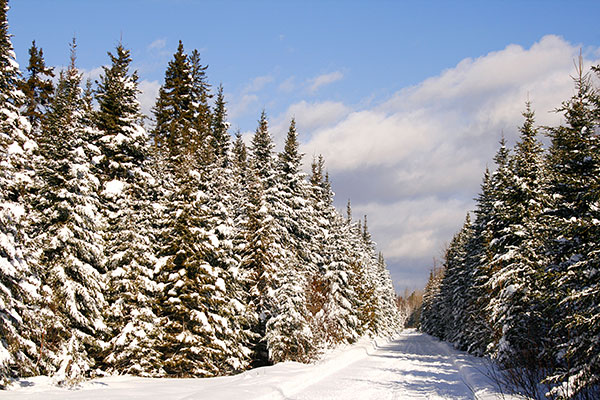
[
  {"x": 220, "y": 136},
  {"x": 288, "y": 332},
  {"x": 260, "y": 258},
  {"x": 517, "y": 262},
  {"x": 19, "y": 281},
  {"x": 392, "y": 319},
  {"x": 455, "y": 285},
  {"x": 477, "y": 331},
  {"x": 174, "y": 110},
  {"x": 572, "y": 237},
  {"x": 38, "y": 88},
  {"x": 200, "y": 97},
  {"x": 239, "y": 185},
  {"x": 263, "y": 254},
  {"x": 68, "y": 233},
  {"x": 430, "y": 316},
  {"x": 194, "y": 307},
  {"x": 219, "y": 183},
  {"x": 123, "y": 172}
]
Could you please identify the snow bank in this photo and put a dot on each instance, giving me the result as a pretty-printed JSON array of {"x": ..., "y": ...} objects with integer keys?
[
  {"x": 273, "y": 383},
  {"x": 113, "y": 188}
]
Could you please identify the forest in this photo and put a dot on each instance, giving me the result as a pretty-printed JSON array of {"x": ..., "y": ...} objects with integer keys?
[
  {"x": 169, "y": 248},
  {"x": 520, "y": 281}
]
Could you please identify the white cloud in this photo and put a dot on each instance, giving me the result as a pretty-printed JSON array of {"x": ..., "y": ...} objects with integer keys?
[
  {"x": 288, "y": 85},
  {"x": 92, "y": 74},
  {"x": 469, "y": 104},
  {"x": 258, "y": 83},
  {"x": 240, "y": 104},
  {"x": 158, "y": 44},
  {"x": 147, "y": 97},
  {"x": 414, "y": 228},
  {"x": 309, "y": 117},
  {"x": 323, "y": 80},
  {"x": 423, "y": 151}
]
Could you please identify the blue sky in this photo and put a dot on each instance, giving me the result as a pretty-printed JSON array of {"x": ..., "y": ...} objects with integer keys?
[{"x": 406, "y": 100}]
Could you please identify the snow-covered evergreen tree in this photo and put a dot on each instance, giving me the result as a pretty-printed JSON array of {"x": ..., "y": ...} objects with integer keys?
[
  {"x": 19, "y": 283},
  {"x": 174, "y": 111},
  {"x": 263, "y": 254},
  {"x": 392, "y": 319},
  {"x": 193, "y": 303},
  {"x": 455, "y": 283},
  {"x": 68, "y": 231},
  {"x": 431, "y": 315},
  {"x": 260, "y": 257},
  {"x": 125, "y": 197},
  {"x": 517, "y": 265},
  {"x": 219, "y": 136},
  {"x": 288, "y": 332},
  {"x": 477, "y": 332},
  {"x": 573, "y": 235}
]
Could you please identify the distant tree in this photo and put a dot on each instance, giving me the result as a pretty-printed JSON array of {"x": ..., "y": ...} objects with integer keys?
[
  {"x": 220, "y": 136},
  {"x": 174, "y": 111},
  {"x": 431, "y": 315},
  {"x": 38, "y": 88},
  {"x": 200, "y": 97}
]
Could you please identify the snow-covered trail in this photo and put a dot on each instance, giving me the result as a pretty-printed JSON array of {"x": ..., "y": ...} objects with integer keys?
[{"x": 414, "y": 366}]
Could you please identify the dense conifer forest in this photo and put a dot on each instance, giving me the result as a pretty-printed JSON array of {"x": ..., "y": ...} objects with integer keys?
[
  {"x": 521, "y": 279},
  {"x": 171, "y": 250}
]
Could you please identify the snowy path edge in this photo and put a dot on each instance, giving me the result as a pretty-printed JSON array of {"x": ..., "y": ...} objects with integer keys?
[
  {"x": 275, "y": 382},
  {"x": 333, "y": 362}
]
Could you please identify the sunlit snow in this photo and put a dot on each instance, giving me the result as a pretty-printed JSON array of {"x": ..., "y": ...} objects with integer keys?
[{"x": 413, "y": 366}]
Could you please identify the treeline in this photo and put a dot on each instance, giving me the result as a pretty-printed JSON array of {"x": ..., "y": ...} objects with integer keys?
[
  {"x": 521, "y": 281},
  {"x": 173, "y": 252},
  {"x": 411, "y": 306}
]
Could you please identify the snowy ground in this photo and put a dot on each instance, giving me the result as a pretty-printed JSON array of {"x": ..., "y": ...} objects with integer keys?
[{"x": 414, "y": 366}]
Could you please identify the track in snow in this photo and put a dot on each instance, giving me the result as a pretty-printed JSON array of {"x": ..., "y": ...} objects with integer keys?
[{"x": 414, "y": 366}]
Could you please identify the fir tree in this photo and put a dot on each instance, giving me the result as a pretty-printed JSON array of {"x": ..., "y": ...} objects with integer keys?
[
  {"x": 430, "y": 316},
  {"x": 392, "y": 319},
  {"x": 263, "y": 161},
  {"x": 455, "y": 285},
  {"x": 193, "y": 305}
]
